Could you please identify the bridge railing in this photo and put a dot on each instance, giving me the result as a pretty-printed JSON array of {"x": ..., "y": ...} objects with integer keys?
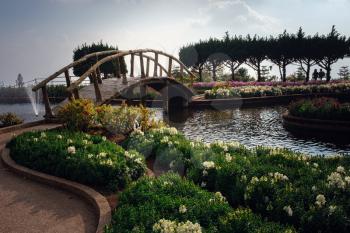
[{"x": 94, "y": 74}]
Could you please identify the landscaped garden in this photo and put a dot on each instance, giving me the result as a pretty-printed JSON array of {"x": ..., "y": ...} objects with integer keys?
[{"x": 204, "y": 187}]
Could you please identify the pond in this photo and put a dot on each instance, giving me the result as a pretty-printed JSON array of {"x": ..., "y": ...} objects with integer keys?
[{"x": 249, "y": 126}]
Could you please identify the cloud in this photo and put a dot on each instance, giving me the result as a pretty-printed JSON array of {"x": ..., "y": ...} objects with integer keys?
[{"x": 234, "y": 15}]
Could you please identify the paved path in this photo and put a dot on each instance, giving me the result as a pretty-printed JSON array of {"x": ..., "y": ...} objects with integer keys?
[{"x": 30, "y": 207}]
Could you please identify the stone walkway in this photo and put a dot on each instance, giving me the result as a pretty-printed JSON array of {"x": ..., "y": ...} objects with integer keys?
[{"x": 30, "y": 207}]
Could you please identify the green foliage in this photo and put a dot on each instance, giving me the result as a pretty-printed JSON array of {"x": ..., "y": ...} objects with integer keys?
[
  {"x": 310, "y": 193},
  {"x": 173, "y": 199},
  {"x": 90, "y": 160},
  {"x": 111, "y": 67},
  {"x": 82, "y": 114},
  {"x": 9, "y": 119},
  {"x": 321, "y": 108}
]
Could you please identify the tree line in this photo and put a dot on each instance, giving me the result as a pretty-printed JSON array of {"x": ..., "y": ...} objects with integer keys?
[{"x": 285, "y": 49}]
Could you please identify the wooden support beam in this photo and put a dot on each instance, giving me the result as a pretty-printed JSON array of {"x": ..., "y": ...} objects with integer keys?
[
  {"x": 132, "y": 65},
  {"x": 96, "y": 87},
  {"x": 147, "y": 66},
  {"x": 48, "y": 110},
  {"x": 170, "y": 67},
  {"x": 155, "y": 73},
  {"x": 160, "y": 72},
  {"x": 117, "y": 71},
  {"x": 182, "y": 73},
  {"x": 142, "y": 66},
  {"x": 76, "y": 93},
  {"x": 66, "y": 74},
  {"x": 98, "y": 73}
]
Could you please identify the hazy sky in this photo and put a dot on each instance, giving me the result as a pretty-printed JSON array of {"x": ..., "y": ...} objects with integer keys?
[{"x": 37, "y": 36}]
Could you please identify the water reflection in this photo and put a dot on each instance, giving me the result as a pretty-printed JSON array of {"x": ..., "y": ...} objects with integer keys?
[{"x": 251, "y": 127}]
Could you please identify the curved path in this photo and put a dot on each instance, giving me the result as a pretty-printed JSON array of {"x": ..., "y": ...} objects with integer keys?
[{"x": 31, "y": 207}]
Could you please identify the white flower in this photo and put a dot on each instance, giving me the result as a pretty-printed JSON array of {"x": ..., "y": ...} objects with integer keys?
[
  {"x": 85, "y": 142},
  {"x": 102, "y": 154},
  {"x": 35, "y": 139},
  {"x": 172, "y": 164},
  {"x": 320, "y": 200},
  {"x": 90, "y": 156},
  {"x": 315, "y": 165},
  {"x": 71, "y": 150},
  {"x": 43, "y": 135},
  {"x": 192, "y": 144},
  {"x": 59, "y": 136},
  {"x": 288, "y": 210},
  {"x": 228, "y": 157},
  {"x": 347, "y": 179},
  {"x": 332, "y": 209},
  {"x": 314, "y": 188},
  {"x": 336, "y": 180},
  {"x": 203, "y": 184},
  {"x": 69, "y": 141},
  {"x": 219, "y": 197},
  {"x": 104, "y": 138},
  {"x": 208, "y": 165},
  {"x": 341, "y": 169},
  {"x": 205, "y": 173},
  {"x": 182, "y": 209},
  {"x": 167, "y": 226}
]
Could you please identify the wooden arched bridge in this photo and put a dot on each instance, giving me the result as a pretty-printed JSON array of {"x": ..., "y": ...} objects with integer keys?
[{"x": 102, "y": 90}]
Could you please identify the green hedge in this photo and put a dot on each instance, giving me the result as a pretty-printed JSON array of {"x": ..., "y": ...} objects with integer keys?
[
  {"x": 310, "y": 193},
  {"x": 321, "y": 108},
  {"x": 91, "y": 160},
  {"x": 173, "y": 200}
]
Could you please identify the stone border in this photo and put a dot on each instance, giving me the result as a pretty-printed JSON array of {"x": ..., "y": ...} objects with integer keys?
[
  {"x": 339, "y": 128},
  {"x": 22, "y": 126},
  {"x": 99, "y": 202}
]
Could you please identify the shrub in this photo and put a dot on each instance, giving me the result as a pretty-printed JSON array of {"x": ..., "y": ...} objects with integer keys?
[
  {"x": 78, "y": 114},
  {"x": 152, "y": 205},
  {"x": 83, "y": 115},
  {"x": 280, "y": 185},
  {"x": 91, "y": 160},
  {"x": 9, "y": 119},
  {"x": 321, "y": 108}
]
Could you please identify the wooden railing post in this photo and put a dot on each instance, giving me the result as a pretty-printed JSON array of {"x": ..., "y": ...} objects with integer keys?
[
  {"x": 160, "y": 71},
  {"x": 66, "y": 74},
  {"x": 48, "y": 111},
  {"x": 147, "y": 67},
  {"x": 142, "y": 66},
  {"x": 96, "y": 87},
  {"x": 170, "y": 67},
  {"x": 132, "y": 65},
  {"x": 76, "y": 93},
  {"x": 182, "y": 73},
  {"x": 98, "y": 73},
  {"x": 155, "y": 73},
  {"x": 117, "y": 72}
]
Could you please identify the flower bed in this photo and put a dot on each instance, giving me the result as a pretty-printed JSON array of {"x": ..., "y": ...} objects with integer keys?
[
  {"x": 321, "y": 108},
  {"x": 259, "y": 91},
  {"x": 201, "y": 86},
  {"x": 310, "y": 193},
  {"x": 90, "y": 160},
  {"x": 172, "y": 204}
]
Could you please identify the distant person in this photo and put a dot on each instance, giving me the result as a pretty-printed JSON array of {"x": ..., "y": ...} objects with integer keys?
[
  {"x": 315, "y": 75},
  {"x": 321, "y": 74}
]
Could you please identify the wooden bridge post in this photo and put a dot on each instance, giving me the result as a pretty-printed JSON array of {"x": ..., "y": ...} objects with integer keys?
[
  {"x": 165, "y": 97},
  {"x": 48, "y": 111},
  {"x": 155, "y": 73},
  {"x": 170, "y": 67},
  {"x": 142, "y": 66},
  {"x": 96, "y": 87},
  {"x": 99, "y": 78},
  {"x": 147, "y": 67},
  {"x": 76, "y": 93},
  {"x": 160, "y": 71},
  {"x": 66, "y": 74},
  {"x": 132, "y": 65},
  {"x": 117, "y": 72}
]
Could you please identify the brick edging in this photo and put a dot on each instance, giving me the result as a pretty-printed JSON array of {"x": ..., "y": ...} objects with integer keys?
[{"x": 99, "y": 202}]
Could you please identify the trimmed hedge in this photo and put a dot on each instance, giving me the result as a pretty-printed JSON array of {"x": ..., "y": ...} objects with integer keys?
[
  {"x": 170, "y": 200},
  {"x": 90, "y": 160}
]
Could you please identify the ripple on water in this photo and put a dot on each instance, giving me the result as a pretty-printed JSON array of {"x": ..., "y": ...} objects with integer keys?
[{"x": 252, "y": 127}]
